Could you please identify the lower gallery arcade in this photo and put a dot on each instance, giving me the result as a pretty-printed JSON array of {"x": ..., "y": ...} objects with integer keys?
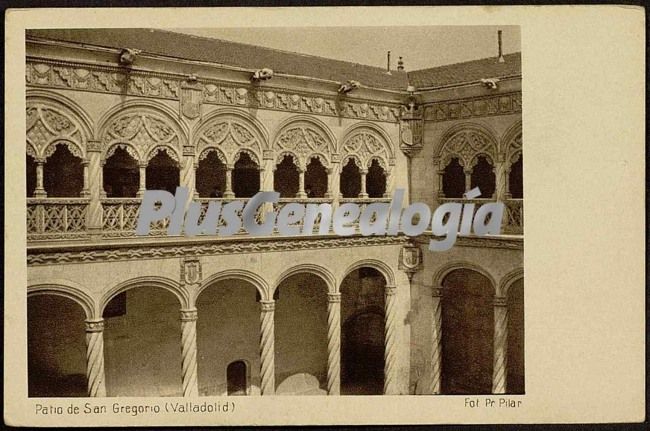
[{"x": 306, "y": 341}]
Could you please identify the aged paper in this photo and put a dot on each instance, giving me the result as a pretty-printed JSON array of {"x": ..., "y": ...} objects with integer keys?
[{"x": 304, "y": 324}]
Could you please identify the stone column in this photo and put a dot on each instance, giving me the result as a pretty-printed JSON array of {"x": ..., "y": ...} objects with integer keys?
[
  {"x": 95, "y": 188},
  {"x": 267, "y": 171},
  {"x": 143, "y": 180},
  {"x": 468, "y": 179},
  {"x": 188, "y": 352},
  {"x": 228, "y": 193},
  {"x": 335, "y": 184},
  {"x": 267, "y": 348},
  {"x": 436, "y": 344},
  {"x": 188, "y": 171},
  {"x": 363, "y": 194},
  {"x": 333, "y": 343},
  {"x": 390, "y": 338},
  {"x": 500, "y": 370},
  {"x": 39, "y": 191},
  {"x": 330, "y": 174},
  {"x": 441, "y": 190},
  {"x": 85, "y": 190},
  {"x": 301, "y": 184},
  {"x": 501, "y": 177},
  {"x": 95, "y": 358},
  {"x": 389, "y": 183}
]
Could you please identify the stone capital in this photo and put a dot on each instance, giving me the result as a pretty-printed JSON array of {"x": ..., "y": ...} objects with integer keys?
[
  {"x": 94, "y": 325},
  {"x": 267, "y": 306},
  {"x": 189, "y": 315},
  {"x": 500, "y": 301},
  {"x": 93, "y": 146},
  {"x": 436, "y": 292},
  {"x": 333, "y": 298}
]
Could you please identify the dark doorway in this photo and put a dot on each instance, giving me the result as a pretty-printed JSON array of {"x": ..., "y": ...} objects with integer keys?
[
  {"x": 245, "y": 177},
  {"x": 286, "y": 178},
  {"x": 350, "y": 180},
  {"x": 236, "y": 376},
  {"x": 375, "y": 180},
  {"x": 483, "y": 177},
  {"x": 453, "y": 180},
  {"x": 162, "y": 173},
  {"x": 63, "y": 174}
]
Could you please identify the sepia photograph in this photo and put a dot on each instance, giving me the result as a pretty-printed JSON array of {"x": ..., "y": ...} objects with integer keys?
[
  {"x": 298, "y": 216},
  {"x": 112, "y": 113}
]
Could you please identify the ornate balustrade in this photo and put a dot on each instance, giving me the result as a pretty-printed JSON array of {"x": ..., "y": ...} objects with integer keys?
[
  {"x": 66, "y": 218},
  {"x": 513, "y": 216},
  {"x": 56, "y": 218}
]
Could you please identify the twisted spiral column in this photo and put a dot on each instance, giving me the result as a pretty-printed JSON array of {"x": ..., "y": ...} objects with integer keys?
[
  {"x": 95, "y": 358},
  {"x": 436, "y": 347},
  {"x": 500, "y": 370},
  {"x": 267, "y": 347},
  {"x": 95, "y": 187},
  {"x": 390, "y": 335},
  {"x": 333, "y": 343},
  {"x": 501, "y": 175},
  {"x": 188, "y": 174},
  {"x": 188, "y": 353}
]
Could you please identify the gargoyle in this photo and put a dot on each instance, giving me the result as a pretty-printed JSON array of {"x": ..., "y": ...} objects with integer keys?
[
  {"x": 127, "y": 56},
  {"x": 262, "y": 75},
  {"x": 490, "y": 83},
  {"x": 349, "y": 86}
]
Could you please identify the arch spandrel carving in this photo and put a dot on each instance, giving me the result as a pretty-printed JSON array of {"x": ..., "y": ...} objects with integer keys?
[
  {"x": 368, "y": 144},
  {"x": 49, "y": 126},
  {"x": 230, "y": 135},
  {"x": 305, "y": 140},
  {"x": 143, "y": 131},
  {"x": 467, "y": 144}
]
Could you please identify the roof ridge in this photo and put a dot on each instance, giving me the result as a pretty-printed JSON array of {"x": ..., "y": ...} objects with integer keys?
[
  {"x": 463, "y": 62},
  {"x": 378, "y": 68}
]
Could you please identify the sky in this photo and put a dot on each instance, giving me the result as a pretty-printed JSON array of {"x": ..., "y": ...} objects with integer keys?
[{"x": 420, "y": 47}]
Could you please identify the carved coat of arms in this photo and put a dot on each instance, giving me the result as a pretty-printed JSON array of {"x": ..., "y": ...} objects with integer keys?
[
  {"x": 191, "y": 271},
  {"x": 191, "y": 96}
]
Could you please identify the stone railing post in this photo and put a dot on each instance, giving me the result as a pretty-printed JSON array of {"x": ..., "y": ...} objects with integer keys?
[
  {"x": 436, "y": 344},
  {"x": 95, "y": 358},
  {"x": 267, "y": 347},
  {"x": 333, "y": 343},
  {"x": 390, "y": 338},
  {"x": 500, "y": 370},
  {"x": 189, "y": 352}
]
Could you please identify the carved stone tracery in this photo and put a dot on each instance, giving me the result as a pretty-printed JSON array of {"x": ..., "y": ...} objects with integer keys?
[
  {"x": 49, "y": 126},
  {"x": 467, "y": 145},
  {"x": 367, "y": 145},
  {"x": 230, "y": 137},
  {"x": 305, "y": 141}
]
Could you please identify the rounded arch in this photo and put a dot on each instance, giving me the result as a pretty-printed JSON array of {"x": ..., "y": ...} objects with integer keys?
[
  {"x": 305, "y": 136},
  {"x": 144, "y": 124},
  {"x": 53, "y": 119},
  {"x": 442, "y": 272},
  {"x": 160, "y": 282},
  {"x": 230, "y": 130},
  {"x": 465, "y": 141},
  {"x": 66, "y": 289},
  {"x": 308, "y": 268},
  {"x": 508, "y": 280},
  {"x": 257, "y": 281},
  {"x": 369, "y": 139},
  {"x": 381, "y": 267}
]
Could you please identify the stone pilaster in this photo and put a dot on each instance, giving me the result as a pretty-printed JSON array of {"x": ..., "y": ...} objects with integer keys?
[
  {"x": 390, "y": 339},
  {"x": 189, "y": 352},
  {"x": 500, "y": 370},
  {"x": 436, "y": 341},
  {"x": 267, "y": 347},
  {"x": 95, "y": 358},
  {"x": 333, "y": 343}
]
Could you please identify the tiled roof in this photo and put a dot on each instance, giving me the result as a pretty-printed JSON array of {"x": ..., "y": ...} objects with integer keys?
[
  {"x": 218, "y": 51},
  {"x": 468, "y": 71}
]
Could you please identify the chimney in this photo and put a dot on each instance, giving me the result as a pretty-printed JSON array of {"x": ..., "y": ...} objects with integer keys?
[
  {"x": 388, "y": 62},
  {"x": 400, "y": 64},
  {"x": 501, "y": 59}
]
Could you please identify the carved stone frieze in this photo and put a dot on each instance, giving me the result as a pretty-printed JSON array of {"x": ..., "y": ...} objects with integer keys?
[
  {"x": 475, "y": 107},
  {"x": 209, "y": 248},
  {"x": 79, "y": 76}
]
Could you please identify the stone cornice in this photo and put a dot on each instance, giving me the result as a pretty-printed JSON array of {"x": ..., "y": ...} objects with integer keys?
[
  {"x": 50, "y": 73},
  {"x": 504, "y": 242},
  {"x": 481, "y": 106},
  {"x": 127, "y": 250}
]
